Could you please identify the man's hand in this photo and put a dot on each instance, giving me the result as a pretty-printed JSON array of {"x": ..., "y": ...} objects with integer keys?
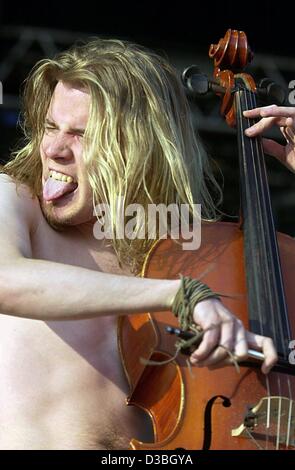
[
  {"x": 284, "y": 118},
  {"x": 224, "y": 331}
]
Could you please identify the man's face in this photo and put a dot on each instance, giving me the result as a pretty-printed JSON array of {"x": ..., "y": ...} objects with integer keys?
[{"x": 67, "y": 196}]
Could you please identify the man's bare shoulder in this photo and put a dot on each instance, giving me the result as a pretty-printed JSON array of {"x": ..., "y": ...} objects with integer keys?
[
  {"x": 19, "y": 213},
  {"x": 8, "y": 180},
  {"x": 16, "y": 193}
]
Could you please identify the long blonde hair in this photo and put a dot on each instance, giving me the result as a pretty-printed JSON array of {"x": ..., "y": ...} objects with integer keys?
[{"x": 140, "y": 144}]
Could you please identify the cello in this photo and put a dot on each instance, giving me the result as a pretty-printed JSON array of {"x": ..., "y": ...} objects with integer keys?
[{"x": 252, "y": 266}]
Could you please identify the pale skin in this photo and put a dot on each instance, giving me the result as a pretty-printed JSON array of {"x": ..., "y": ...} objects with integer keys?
[
  {"x": 284, "y": 118},
  {"x": 61, "y": 293}
]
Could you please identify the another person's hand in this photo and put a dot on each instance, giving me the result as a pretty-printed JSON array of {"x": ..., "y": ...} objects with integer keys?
[
  {"x": 224, "y": 331},
  {"x": 284, "y": 118}
]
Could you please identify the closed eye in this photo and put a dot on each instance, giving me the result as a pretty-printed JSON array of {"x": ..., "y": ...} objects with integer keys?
[
  {"x": 51, "y": 126},
  {"x": 79, "y": 134},
  {"x": 49, "y": 129}
]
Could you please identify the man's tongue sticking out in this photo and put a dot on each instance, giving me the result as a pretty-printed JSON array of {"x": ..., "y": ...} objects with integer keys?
[{"x": 54, "y": 189}]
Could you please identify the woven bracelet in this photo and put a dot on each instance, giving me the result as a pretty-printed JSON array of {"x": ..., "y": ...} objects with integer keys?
[{"x": 190, "y": 293}]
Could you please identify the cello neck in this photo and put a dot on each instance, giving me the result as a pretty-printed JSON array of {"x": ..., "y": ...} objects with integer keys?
[{"x": 266, "y": 298}]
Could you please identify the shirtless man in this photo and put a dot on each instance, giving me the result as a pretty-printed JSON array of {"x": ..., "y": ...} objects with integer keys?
[{"x": 62, "y": 289}]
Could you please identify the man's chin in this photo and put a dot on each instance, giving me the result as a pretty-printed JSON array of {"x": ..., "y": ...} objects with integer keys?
[
  {"x": 58, "y": 218},
  {"x": 61, "y": 217}
]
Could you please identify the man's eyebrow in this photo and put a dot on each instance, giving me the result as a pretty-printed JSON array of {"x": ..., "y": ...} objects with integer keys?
[
  {"x": 71, "y": 129},
  {"x": 49, "y": 121}
]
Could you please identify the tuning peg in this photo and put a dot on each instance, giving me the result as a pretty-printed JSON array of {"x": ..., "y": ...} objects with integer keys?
[
  {"x": 197, "y": 83},
  {"x": 270, "y": 92}
]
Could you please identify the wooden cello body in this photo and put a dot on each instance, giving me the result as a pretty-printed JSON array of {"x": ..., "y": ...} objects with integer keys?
[{"x": 222, "y": 408}]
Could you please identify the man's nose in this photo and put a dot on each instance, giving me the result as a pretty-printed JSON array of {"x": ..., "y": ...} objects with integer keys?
[{"x": 59, "y": 147}]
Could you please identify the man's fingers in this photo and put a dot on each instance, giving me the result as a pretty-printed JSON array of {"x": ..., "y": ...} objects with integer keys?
[
  {"x": 283, "y": 117},
  {"x": 209, "y": 342},
  {"x": 266, "y": 345},
  {"x": 264, "y": 124},
  {"x": 233, "y": 342},
  {"x": 241, "y": 345},
  {"x": 272, "y": 110},
  {"x": 225, "y": 338},
  {"x": 260, "y": 126},
  {"x": 289, "y": 134},
  {"x": 216, "y": 359},
  {"x": 279, "y": 115},
  {"x": 219, "y": 353},
  {"x": 208, "y": 355}
]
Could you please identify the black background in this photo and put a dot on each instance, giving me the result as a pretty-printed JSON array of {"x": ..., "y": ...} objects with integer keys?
[{"x": 269, "y": 26}]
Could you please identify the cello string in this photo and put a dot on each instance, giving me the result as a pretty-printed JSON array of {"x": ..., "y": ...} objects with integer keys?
[
  {"x": 267, "y": 226},
  {"x": 267, "y": 386},
  {"x": 256, "y": 178},
  {"x": 264, "y": 206},
  {"x": 262, "y": 240},
  {"x": 262, "y": 211},
  {"x": 289, "y": 413},
  {"x": 279, "y": 423},
  {"x": 289, "y": 423},
  {"x": 272, "y": 251},
  {"x": 246, "y": 168},
  {"x": 268, "y": 413},
  {"x": 272, "y": 256},
  {"x": 272, "y": 289},
  {"x": 253, "y": 439}
]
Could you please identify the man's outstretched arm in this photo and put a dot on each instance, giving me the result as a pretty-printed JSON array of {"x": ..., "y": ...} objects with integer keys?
[{"x": 46, "y": 290}]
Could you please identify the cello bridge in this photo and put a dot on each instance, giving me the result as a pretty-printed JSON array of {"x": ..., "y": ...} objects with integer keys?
[{"x": 271, "y": 421}]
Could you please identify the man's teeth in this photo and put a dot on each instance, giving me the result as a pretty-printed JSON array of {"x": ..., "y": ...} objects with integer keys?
[{"x": 60, "y": 176}]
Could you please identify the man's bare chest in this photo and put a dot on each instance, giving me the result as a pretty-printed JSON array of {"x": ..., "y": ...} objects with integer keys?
[{"x": 76, "y": 248}]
